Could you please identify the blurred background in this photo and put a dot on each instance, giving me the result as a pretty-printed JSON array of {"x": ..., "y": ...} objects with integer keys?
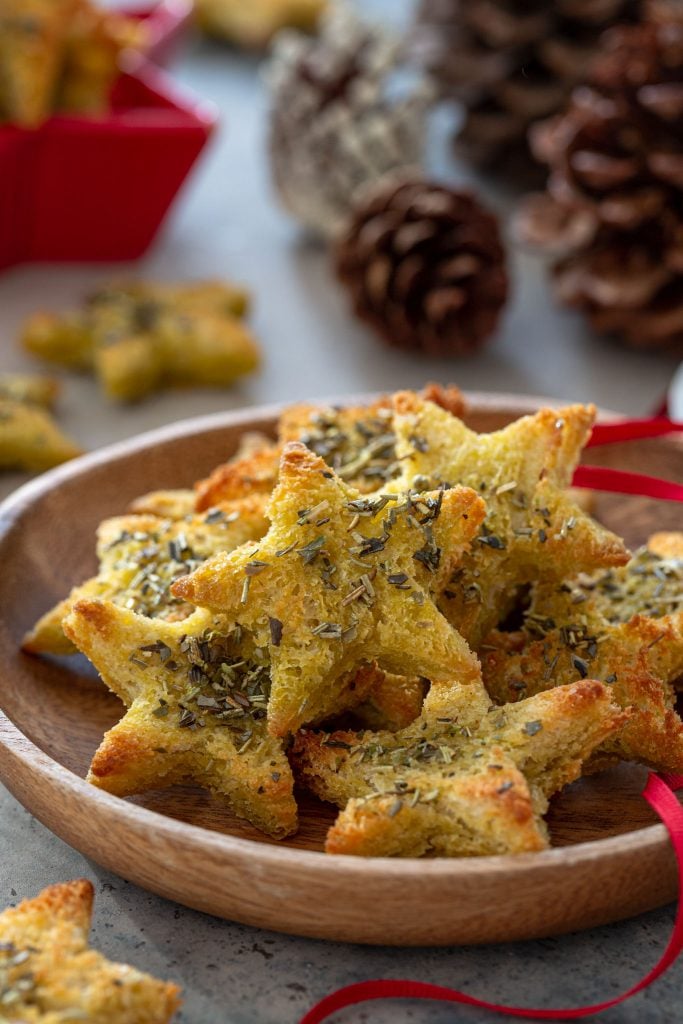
[{"x": 227, "y": 222}]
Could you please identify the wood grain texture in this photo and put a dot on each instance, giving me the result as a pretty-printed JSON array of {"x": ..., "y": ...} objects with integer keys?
[{"x": 609, "y": 860}]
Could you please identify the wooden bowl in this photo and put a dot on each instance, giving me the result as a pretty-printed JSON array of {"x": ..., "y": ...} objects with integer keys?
[{"x": 609, "y": 860}]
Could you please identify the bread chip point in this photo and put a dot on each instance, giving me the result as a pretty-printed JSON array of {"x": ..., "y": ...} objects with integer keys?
[
  {"x": 532, "y": 530},
  {"x": 466, "y": 778},
  {"x": 338, "y": 580},
  {"x": 29, "y": 437},
  {"x": 196, "y": 693},
  {"x": 48, "y": 975}
]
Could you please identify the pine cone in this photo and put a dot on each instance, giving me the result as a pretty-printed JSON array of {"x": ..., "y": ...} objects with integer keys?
[
  {"x": 425, "y": 267},
  {"x": 510, "y": 62},
  {"x": 333, "y": 128},
  {"x": 613, "y": 210}
]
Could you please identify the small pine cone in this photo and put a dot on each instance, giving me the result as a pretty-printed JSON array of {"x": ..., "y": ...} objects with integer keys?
[
  {"x": 335, "y": 124},
  {"x": 425, "y": 266},
  {"x": 613, "y": 209},
  {"x": 510, "y": 62}
]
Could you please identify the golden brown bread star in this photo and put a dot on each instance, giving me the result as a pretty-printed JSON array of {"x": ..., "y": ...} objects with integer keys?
[
  {"x": 357, "y": 441},
  {"x": 466, "y": 778},
  {"x": 139, "y": 337},
  {"x": 341, "y": 579},
  {"x": 196, "y": 693},
  {"x": 140, "y": 556},
  {"x": 253, "y": 24},
  {"x": 33, "y": 37},
  {"x": 593, "y": 626},
  {"x": 29, "y": 437},
  {"x": 651, "y": 584},
  {"x": 48, "y": 975},
  {"x": 94, "y": 43},
  {"x": 27, "y": 387},
  {"x": 639, "y": 660},
  {"x": 531, "y": 530}
]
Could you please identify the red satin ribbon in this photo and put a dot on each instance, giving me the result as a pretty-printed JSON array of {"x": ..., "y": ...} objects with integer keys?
[
  {"x": 632, "y": 430},
  {"x": 619, "y": 481},
  {"x": 658, "y": 791},
  {"x": 661, "y": 797}
]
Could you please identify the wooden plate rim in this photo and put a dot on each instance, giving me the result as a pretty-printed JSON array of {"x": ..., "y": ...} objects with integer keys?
[{"x": 652, "y": 837}]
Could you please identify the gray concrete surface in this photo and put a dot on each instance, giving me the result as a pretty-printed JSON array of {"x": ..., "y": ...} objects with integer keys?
[{"x": 227, "y": 223}]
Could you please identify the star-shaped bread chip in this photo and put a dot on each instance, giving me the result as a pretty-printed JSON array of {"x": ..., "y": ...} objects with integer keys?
[
  {"x": 33, "y": 37},
  {"x": 651, "y": 584},
  {"x": 593, "y": 626},
  {"x": 357, "y": 441},
  {"x": 29, "y": 437},
  {"x": 466, "y": 778},
  {"x": 253, "y": 24},
  {"x": 140, "y": 556},
  {"x": 341, "y": 579},
  {"x": 532, "y": 530},
  {"x": 95, "y": 43},
  {"x": 49, "y": 975},
  {"x": 141, "y": 337},
  {"x": 196, "y": 693}
]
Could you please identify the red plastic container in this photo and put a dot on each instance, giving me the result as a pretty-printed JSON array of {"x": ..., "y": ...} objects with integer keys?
[{"x": 93, "y": 189}]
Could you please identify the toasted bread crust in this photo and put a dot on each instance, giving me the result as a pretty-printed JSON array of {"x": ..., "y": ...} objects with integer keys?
[
  {"x": 52, "y": 976},
  {"x": 464, "y": 779}
]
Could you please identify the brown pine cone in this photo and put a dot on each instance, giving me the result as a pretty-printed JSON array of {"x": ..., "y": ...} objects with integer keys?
[
  {"x": 510, "y": 62},
  {"x": 613, "y": 209},
  {"x": 425, "y": 266}
]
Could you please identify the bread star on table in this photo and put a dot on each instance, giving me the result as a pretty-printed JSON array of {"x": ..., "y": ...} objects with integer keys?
[
  {"x": 92, "y": 61},
  {"x": 196, "y": 693},
  {"x": 29, "y": 437},
  {"x": 339, "y": 580},
  {"x": 140, "y": 556},
  {"x": 466, "y": 778},
  {"x": 49, "y": 975},
  {"x": 139, "y": 337},
  {"x": 593, "y": 626},
  {"x": 254, "y": 24},
  {"x": 532, "y": 530}
]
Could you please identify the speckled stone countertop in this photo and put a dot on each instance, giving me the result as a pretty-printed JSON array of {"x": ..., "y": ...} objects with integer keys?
[{"x": 227, "y": 223}]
